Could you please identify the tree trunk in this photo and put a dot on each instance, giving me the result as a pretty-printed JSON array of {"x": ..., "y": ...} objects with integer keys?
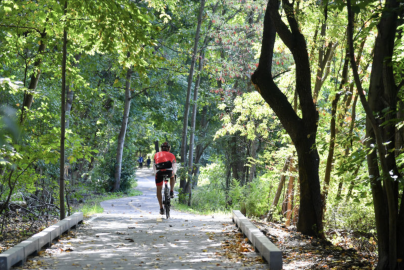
[
  {"x": 303, "y": 130},
  {"x": 296, "y": 208},
  {"x": 201, "y": 148},
  {"x": 62, "y": 123},
  {"x": 28, "y": 97},
  {"x": 156, "y": 146},
  {"x": 193, "y": 123},
  {"x": 122, "y": 133},
  {"x": 70, "y": 96},
  {"x": 324, "y": 58},
  {"x": 190, "y": 77},
  {"x": 382, "y": 95},
  {"x": 400, "y": 132},
  {"x": 236, "y": 159},
  {"x": 352, "y": 185},
  {"x": 281, "y": 182},
  {"x": 348, "y": 100},
  {"x": 254, "y": 145},
  {"x": 333, "y": 132},
  {"x": 347, "y": 149},
  {"x": 290, "y": 193}
]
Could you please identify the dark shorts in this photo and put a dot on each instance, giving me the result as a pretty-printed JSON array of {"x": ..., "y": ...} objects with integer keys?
[{"x": 160, "y": 177}]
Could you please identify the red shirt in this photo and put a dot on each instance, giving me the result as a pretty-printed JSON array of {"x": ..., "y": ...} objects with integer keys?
[{"x": 164, "y": 156}]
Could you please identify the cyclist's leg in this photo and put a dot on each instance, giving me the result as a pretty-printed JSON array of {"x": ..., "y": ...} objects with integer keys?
[
  {"x": 172, "y": 183},
  {"x": 159, "y": 187},
  {"x": 159, "y": 197}
]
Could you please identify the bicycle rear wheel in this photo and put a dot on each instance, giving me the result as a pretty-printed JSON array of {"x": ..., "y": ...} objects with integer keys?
[
  {"x": 168, "y": 211},
  {"x": 167, "y": 202}
]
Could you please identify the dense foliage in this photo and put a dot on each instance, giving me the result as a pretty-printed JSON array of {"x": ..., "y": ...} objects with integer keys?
[{"x": 132, "y": 60}]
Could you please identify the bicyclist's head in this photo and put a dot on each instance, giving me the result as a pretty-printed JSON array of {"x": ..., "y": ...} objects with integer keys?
[{"x": 165, "y": 146}]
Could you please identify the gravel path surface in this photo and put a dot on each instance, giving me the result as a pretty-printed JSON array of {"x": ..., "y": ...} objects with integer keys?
[{"x": 131, "y": 234}]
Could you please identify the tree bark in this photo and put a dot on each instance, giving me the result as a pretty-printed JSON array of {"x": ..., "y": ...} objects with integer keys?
[
  {"x": 382, "y": 94},
  {"x": 36, "y": 74},
  {"x": 301, "y": 130},
  {"x": 254, "y": 145},
  {"x": 351, "y": 127},
  {"x": 201, "y": 148},
  {"x": 352, "y": 185},
  {"x": 193, "y": 123},
  {"x": 400, "y": 131},
  {"x": 62, "y": 123},
  {"x": 324, "y": 57},
  {"x": 290, "y": 193},
  {"x": 334, "y": 106},
  {"x": 183, "y": 180},
  {"x": 296, "y": 208},
  {"x": 347, "y": 102},
  {"x": 156, "y": 146},
  {"x": 190, "y": 77},
  {"x": 281, "y": 182},
  {"x": 122, "y": 133},
  {"x": 236, "y": 158},
  {"x": 70, "y": 96}
]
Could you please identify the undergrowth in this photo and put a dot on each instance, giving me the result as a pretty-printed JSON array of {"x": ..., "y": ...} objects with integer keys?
[
  {"x": 92, "y": 206},
  {"x": 211, "y": 197},
  {"x": 255, "y": 200}
]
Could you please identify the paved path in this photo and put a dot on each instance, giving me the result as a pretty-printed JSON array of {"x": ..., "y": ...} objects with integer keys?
[{"x": 130, "y": 234}]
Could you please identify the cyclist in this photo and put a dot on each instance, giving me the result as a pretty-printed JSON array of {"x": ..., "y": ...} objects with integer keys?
[{"x": 164, "y": 164}]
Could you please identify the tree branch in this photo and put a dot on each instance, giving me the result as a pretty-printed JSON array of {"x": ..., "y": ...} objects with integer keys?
[
  {"x": 262, "y": 78},
  {"x": 282, "y": 29},
  {"x": 279, "y": 74},
  {"x": 22, "y": 27}
]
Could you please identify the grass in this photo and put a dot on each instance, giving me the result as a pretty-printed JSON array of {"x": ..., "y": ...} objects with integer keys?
[
  {"x": 196, "y": 210},
  {"x": 92, "y": 206}
]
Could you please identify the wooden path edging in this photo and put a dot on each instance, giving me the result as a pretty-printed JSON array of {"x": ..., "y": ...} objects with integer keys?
[
  {"x": 18, "y": 254},
  {"x": 266, "y": 248}
]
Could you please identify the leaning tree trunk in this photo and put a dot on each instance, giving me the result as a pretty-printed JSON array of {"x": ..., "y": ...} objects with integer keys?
[
  {"x": 302, "y": 130},
  {"x": 122, "y": 133},
  {"x": 347, "y": 102},
  {"x": 324, "y": 56}
]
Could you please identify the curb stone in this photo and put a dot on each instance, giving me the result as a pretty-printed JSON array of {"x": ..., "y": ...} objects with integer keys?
[
  {"x": 268, "y": 250},
  {"x": 18, "y": 254}
]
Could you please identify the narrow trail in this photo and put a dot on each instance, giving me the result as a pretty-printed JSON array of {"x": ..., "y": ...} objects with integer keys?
[{"x": 131, "y": 234}]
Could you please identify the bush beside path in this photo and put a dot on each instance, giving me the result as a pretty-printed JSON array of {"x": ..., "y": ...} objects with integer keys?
[{"x": 130, "y": 234}]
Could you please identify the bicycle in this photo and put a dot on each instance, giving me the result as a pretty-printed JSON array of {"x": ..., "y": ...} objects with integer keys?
[{"x": 166, "y": 197}]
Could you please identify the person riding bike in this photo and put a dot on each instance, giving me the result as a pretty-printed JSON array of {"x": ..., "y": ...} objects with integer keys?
[{"x": 164, "y": 164}]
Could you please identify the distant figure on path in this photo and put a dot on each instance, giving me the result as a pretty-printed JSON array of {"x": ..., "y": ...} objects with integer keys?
[
  {"x": 148, "y": 162},
  {"x": 140, "y": 160},
  {"x": 167, "y": 165}
]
